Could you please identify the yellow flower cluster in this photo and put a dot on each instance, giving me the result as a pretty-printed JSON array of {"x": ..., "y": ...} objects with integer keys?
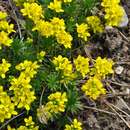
[
  {"x": 82, "y": 31},
  {"x": 113, "y": 12},
  {"x": 29, "y": 125},
  {"x": 76, "y": 125},
  {"x": 5, "y": 30},
  {"x": 102, "y": 67},
  {"x": 54, "y": 27},
  {"x": 40, "y": 56},
  {"x": 82, "y": 65},
  {"x": 93, "y": 88},
  {"x": 56, "y": 104},
  {"x": 64, "y": 65},
  {"x": 32, "y": 11},
  {"x": 95, "y": 23},
  {"x": 44, "y": 27},
  {"x": 4, "y": 67},
  {"x": 28, "y": 68},
  {"x": 57, "y": 5},
  {"x": 7, "y": 108},
  {"x": 23, "y": 95}
]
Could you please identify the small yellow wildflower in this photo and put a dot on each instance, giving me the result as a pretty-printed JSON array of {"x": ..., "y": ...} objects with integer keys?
[
  {"x": 40, "y": 56},
  {"x": 3, "y": 15},
  {"x": 45, "y": 28},
  {"x": 29, "y": 125},
  {"x": 114, "y": 15},
  {"x": 113, "y": 12},
  {"x": 28, "y": 68},
  {"x": 108, "y": 3},
  {"x": 76, "y": 125},
  {"x": 4, "y": 25},
  {"x": 7, "y": 108},
  {"x": 4, "y": 67},
  {"x": 93, "y": 88},
  {"x": 102, "y": 67},
  {"x": 58, "y": 24},
  {"x": 95, "y": 23},
  {"x": 64, "y": 38},
  {"x": 4, "y": 39},
  {"x": 56, "y": 5},
  {"x": 64, "y": 65},
  {"x": 67, "y": 1},
  {"x": 82, "y": 31},
  {"x": 56, "y": 102},
  {"x": 23, "y": 96},
  {"x": 33, "y": 11},
  {"x": 82, "y": 65},
  {"x": 29, "y": 121}
]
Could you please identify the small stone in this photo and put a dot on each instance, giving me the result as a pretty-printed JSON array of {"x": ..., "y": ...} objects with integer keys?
[{"x": 119, "y": 70}]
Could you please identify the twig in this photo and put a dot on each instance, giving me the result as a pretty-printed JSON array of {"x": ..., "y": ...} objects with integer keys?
[
  {"x": 7, "y": 122},
  {"x": 19, "y": 29},
  {"x": 120, "y": 116},
  {"x": 100, "y": 110},
  {"x": 122, "y": 85},
  {"x": 124, "y": 37},
  {"x": 120, "y": 110},
  {"x": 42, "y": 96}
]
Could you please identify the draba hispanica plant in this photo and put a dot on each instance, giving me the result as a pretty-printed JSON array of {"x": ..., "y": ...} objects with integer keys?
[{"x": 42, "y": 61}]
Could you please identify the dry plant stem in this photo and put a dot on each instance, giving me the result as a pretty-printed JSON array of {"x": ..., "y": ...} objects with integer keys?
[
  {"x": 7, "y": 122},
  {"x": 124, "y": 103},
  {"x": 19, "y": 29},
  {"x": 42, "y": 96},
  {"x": 123, "y": 62},
  {"x": 99, "y": 110},
  {"x": 123, "y": 36},
  {"x": 122, "y": 85},
  {"x": 120, "y": 110},
  {"x": 120, "y": 116}
]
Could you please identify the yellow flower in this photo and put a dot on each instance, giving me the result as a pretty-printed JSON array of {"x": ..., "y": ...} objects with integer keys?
[
  {"x": 58, "y": 24},
  {"x": 64, "y": 38},
  {"x": 40, "y": 56},
  {"x": 56, "y": 5},
  {"x": 6, "y": 27},
  {"x": 108, "y": 3},
  {"x": 93, "y": 88},
  {"x": 23, "y": 95},
  {"x": 82, "y": 65},
  {"x": 3, "y": 15},
  {"x": 56, "y": 102},
  {"x": 33, "y": 11},
  {"x": 45, "y": 28},
  {"x": 29, "y": 121},
  {"x": 28, "y": 68},
  {"x": 95, "y": 23},
  {"x": 30, "y": 125},
  {"x": 7, "y": 108},
  {"x": 76, "y": 125},
  {"x": 102, "y": 67},
  {"x": 4, "y": 67},
  {"x": 4, "y": 39},
  {"x": 63, "y": 65},
  {"x": 113, "y": 12},
  {"x": 82, "y": 31},
  {"x": 67, "y": 1},
  {"x": 114, "y": 15}
]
